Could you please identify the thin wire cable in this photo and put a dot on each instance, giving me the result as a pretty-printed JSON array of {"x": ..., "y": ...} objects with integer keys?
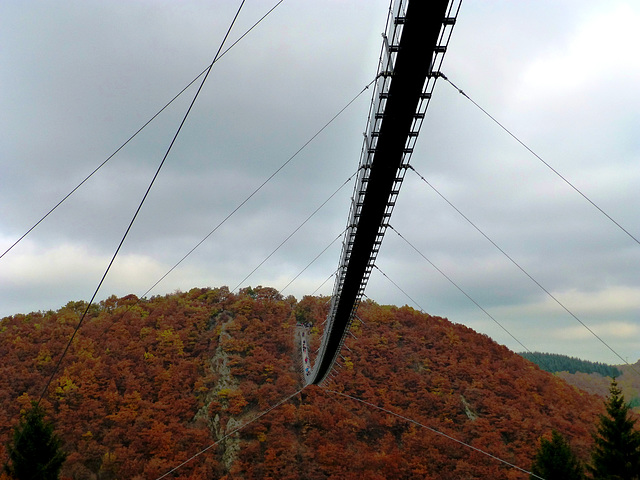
[
  {"x": 465, "y": 294},
  {"x": 313, "y": 261},
  {"x": 259, "y": 188},
  {"x": 135, "y": 215},
  {"x": 433, "y": 430},
  {"x": 398, "y": 287},
  {"x": 524, "y": 271},
  {"x": 295, "y": 231},
  {"x": 228, "y": 216},
  {"x": 564, "y": 179},
  {"x": 139, "y": 130},
  {"x": 322, "y": 284},
  {"x": 260, "y": 415}
]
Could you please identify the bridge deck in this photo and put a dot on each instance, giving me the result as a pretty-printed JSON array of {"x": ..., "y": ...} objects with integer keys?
[{"x": 413, "y": 47}]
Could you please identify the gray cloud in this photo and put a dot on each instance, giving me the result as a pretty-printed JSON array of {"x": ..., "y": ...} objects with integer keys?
[{"x": 79, "y": 78}]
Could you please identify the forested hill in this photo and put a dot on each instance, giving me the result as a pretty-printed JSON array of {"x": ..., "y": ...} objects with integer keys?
[
  {"x": 148, "y": 383},
  {"x": 592, "y": 377},
  {"x": 553, "y": 362}
]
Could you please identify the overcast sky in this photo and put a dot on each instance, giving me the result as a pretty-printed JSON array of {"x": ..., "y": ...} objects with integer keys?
[{"x": 77, "y": 78}]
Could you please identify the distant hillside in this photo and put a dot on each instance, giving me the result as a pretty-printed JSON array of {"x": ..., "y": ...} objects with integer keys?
[
  {"x": 553, "y": 362},
  {"x": 148, "y": 383},
  {"x": 592, "y": 377}
]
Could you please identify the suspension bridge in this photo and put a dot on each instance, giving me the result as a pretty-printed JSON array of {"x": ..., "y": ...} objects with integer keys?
[
  {"x": 413, "y": 49},
  {"x": 414, "y": 45}
]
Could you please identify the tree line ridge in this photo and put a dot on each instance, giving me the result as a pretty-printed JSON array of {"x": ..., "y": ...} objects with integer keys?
[{"x": 554, "y": 362}]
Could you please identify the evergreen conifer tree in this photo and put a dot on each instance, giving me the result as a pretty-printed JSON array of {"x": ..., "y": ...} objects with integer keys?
[
  {"x": 35, "y": 452},
  {"x": 555, "y": 460},
  {"x": 616, "y": 455}
]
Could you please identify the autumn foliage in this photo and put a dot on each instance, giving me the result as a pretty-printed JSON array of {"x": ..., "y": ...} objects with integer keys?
[{"x": 148, "y": 383}]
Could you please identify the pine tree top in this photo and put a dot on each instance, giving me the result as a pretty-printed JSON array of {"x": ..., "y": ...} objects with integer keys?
[
  {"x": 617, "y": 442},
  {"x": 35, "y": 451}
]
